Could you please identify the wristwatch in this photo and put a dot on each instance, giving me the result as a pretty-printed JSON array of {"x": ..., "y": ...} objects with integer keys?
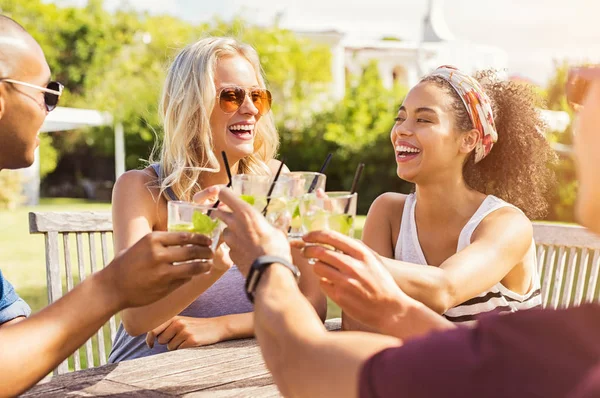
[{"x": 259, "y": 266}]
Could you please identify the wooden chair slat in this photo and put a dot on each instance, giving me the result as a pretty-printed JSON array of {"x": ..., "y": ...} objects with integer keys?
[
  {"x": 548, "y": 275},
  {"x": 593, "y": 279},
  {"x": 89, "y": 354},
  {"x": 569, "y": 279},
  {"x": 561, "y": 262},
  {"x": 564, "y": 235},
  {"x": 583, "y": 272},
  {"x": 94, "y": 268},
  {"x": 83, "y": 221},
  {"x": 541, "y": 252},
  {"x": 53, "y": 280},
  {"x": 69, "y": 273}
]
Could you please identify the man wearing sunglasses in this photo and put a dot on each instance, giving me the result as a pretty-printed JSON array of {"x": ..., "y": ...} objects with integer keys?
[{"x": 31, "y": 348}]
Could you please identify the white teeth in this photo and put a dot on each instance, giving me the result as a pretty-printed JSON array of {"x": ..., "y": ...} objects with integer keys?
[
  {"x": 247, "y": 127},
  {"x": 403, "y": 148}
]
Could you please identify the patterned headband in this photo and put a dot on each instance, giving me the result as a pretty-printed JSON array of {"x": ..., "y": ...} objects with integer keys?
[{"x": 478, "y": 106}]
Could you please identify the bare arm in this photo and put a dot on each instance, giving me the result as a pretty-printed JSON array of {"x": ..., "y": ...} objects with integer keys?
[
  {"x": 33, "y": 347},
  {"x": 357, "y": 280},
  {"x": 130, "y": 223},
  {"x": 297, "y": 352},
  {"x": 13, "y": 321},
  {"x": 499, "y": 243}
]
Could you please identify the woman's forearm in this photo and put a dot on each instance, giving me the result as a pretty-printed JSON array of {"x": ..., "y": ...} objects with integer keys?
[
  {"x": 238, "y": 326},
  {"x": 426, "y": 284},
  {"x": 140, "y": 320}
]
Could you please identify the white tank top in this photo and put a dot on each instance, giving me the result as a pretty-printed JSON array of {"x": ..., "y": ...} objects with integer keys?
[{"x": 496, "y": 299}]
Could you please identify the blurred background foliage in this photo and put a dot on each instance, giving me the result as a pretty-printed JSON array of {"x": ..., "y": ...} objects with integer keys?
[{"x": 116, "y": 62}]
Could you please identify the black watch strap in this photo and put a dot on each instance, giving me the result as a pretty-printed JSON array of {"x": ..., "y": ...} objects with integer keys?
[{"x": 259, "y": 266}]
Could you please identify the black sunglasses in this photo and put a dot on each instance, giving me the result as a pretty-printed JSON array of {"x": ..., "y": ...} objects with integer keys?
[{"x": 52, "y": 91}]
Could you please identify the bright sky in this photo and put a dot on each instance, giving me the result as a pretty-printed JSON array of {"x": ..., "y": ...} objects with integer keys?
[{"x": 533, "y": 32}]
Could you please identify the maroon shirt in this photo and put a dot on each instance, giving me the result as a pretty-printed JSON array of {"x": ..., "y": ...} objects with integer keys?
[
  {"x": 535, "y": 353},
  {"x": 590, "y": 388}
]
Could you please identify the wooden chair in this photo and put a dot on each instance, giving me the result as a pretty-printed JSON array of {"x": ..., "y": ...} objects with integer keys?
[
  {"x": 568, "y": 263},
  {"x": 77, "y": 225}
]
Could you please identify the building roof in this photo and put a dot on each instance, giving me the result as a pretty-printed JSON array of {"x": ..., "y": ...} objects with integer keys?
[{"x": 71, "y": 118}]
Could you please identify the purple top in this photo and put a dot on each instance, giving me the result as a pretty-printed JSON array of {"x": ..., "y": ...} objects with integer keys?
[
  {"x": 532, "y": 353},
  {"x": 226, "y": 296}
]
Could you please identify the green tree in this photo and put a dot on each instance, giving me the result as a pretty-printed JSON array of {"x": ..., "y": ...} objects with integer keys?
[
  {"x": 356, "y": 130},
  {"x": 562, "y": 207}
]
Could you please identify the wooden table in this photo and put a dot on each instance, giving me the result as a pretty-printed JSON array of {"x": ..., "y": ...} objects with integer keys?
[{"x": 228, "y": 369}]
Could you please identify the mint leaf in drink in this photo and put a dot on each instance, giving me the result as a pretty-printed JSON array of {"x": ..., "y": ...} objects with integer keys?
[
  {"x": 203, "y": 224},
  {"x": 341, "y": 223}
]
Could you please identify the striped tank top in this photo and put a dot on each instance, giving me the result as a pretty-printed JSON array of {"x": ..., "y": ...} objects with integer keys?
[
  {"x": 225, "y": 297},
  {"x": 496, "y": 299}
]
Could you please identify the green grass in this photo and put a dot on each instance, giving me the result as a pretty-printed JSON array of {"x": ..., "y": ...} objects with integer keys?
[{"x": 22, "y": 255}]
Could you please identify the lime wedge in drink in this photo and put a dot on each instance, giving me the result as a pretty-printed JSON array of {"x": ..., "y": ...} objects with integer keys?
[
  {"x": 182, "y": 227},
  {"x": 341, "y": 223},
  {"x": 277, "y": 205},
  {"x": 248, "y": 199},
  {"x": 203, "y": 224},
  {"x": 317, "y": 221}
]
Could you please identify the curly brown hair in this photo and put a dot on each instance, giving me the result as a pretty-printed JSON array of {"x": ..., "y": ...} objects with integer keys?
[{"x": 518, "y": 168}]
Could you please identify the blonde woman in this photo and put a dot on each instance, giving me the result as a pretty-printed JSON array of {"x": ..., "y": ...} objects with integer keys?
[{"x": 214, "y": 99}]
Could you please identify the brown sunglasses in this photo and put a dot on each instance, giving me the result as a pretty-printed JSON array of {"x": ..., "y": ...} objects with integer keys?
[{"x": 231, "y": 98}]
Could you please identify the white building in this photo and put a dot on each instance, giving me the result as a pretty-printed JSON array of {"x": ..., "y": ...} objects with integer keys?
[{"x": 406, "y": 62}]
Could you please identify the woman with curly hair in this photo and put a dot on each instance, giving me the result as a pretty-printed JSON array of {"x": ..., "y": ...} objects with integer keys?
[{"x": 462, "y": 243}]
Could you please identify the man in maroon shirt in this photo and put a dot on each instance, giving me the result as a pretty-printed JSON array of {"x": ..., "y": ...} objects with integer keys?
[{"x": 536, "y": 353}]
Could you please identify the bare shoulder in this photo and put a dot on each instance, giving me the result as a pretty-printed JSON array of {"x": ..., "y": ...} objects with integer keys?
[
  {"x": 382, "y": 225},
  {"x": 274, "y": 166},
  {"x": 139, "y": 185},
  {"x": 389, "y": 203},
  {"x": 506, "y": 222}
]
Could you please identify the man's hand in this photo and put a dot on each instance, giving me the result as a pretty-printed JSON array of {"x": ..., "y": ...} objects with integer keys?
[
  {"x": 356, "y": 279},
  {"x": 249, "y": 234},
  {"x": 145, "y": 272}
]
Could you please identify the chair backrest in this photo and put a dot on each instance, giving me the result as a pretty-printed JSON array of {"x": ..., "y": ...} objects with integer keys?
[
  {"x": 568, "y": 263},
  {"x": 80, "y": 227}
]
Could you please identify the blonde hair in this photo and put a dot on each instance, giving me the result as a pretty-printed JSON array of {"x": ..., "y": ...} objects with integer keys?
[{"x": 188, "y": 97}]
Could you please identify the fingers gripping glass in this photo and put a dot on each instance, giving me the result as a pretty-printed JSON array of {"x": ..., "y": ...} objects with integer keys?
[
  {"x": 51, "y": 92},
  {"x": 231, "y": 98}
]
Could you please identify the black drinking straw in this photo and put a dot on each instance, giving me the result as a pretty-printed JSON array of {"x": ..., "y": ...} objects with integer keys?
[
  {"x": 354, "y": 187},
  {"x": 264, "y": 212},
  {"x": 228, "y": 170},
  {"x": 322, "y": 170}
]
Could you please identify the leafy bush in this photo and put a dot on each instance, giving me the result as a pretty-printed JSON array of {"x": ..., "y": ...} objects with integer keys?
[{"x": 11, "y": 185}]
